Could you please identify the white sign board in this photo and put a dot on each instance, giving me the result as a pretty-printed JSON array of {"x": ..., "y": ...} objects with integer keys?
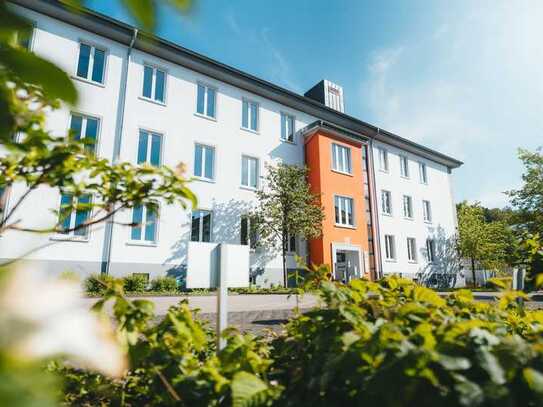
[{"x": 204, "y": 260}]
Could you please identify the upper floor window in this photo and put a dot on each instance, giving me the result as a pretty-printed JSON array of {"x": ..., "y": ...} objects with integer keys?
[
  {"x": 407, "y": 206},
  {"x": 201, "y": 226},
  {"x": 344, "y": 210},
  {"x": 145, "y": 222},
  {"x": 427, "y": 211},
  {"x": 91, "y": 63},
  {"x": 149, "y": 148},
  {"x": 411, "y": 249},
  {"x": 154, "y": 83},
  {"x": 423, "y": 176},
  {"x": 383, "y": 159},
  {"x": 341, "y": 158},
  {"x": 404, "y": 166},
  {"x": 73, "y": 214},
  {"x": 248, "y": 235},
  {"x": 249, "y": 171},
  {"x": 390, "y": 247},
  {"x": 287, "y": 127},
  {"x": 249, "y": 115},
  {"x": 386, "y": 202},
  {"x": 204, "y": 161},
  {"x": 205, "y": 100},
  {"x": 430, "y": 250},
  {"x": 3, "y": 201},
  {"x": 85, "y": 129},
  {"x": 24, "y": 39}
]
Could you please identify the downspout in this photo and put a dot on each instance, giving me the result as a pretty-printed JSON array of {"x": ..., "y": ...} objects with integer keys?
[
  {"x": 108, "y": 232},
  {"x": 374, "y": 213}
]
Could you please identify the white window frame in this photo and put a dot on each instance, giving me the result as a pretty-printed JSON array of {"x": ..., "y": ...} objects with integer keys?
[
  {"x": 289, "y": 245},
  {"x": 423, "y": 173},
  {"x": 143, "y": 225},
  {"x": 152, "y": 98},
  {"x": 250, "y": 243},
  {"x": 206, "y": 87},
  {"x": 85, "y": 117},
  {"x": 255, "y": 103},
  {"x": 73, "y": 215},
  {"x": 390, "y": 248},
  {"x": 427, "y": 211},
  {"x": 430, "y": 250},
  {"x": 93, "y": 47},
  {"x": 149, "y": 145},
  {"x": 411, "y": 250},
  {"x": 250, "y": 157},
  {"x": 203, "y": 177},
  {"x": 388, "y": 194},
  {"x": 383, "y": 159},
  {"x": 404, "y": 166},
  {"x": 201, "y": 226},
  {"x": 345, "y": 153},
  {"x": 341, "y": 202},
  {"x": 407, "y": 205},
  {"x": 292, "y": 118}
]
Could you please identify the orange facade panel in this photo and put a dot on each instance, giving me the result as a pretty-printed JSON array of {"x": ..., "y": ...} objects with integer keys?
[{"x": 340, "y": 235}]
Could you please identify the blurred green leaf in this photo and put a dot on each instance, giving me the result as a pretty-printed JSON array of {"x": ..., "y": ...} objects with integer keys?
[{"x": 143, "y": 11}]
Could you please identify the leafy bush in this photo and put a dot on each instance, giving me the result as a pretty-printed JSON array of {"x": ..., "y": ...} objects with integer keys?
[
  {"x": 135, "y": 283},
  {"x": 164, "y": 284},
  {"x": 394, "y": 343},
  {"x": 96, "y": 283}
]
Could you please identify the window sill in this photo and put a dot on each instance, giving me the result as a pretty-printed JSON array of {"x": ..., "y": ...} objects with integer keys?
[
  {"x": 338, "y": 225},
  {"x": 384, "y": 171},
  {"x": 202, "y": 179},
  {"x": 141, "y": 243},
  {"x": 391, "y": 260},
  {"x": 411, "y": 219},
  {"x": 424, "y": 183},
  {"x": 248, "y": 188},
  {"x": 250, "y": 130},
  {"x": 88, "y": 81},
  {"x": 405, "y": 177},
  {"x": 156, "y": 102},
  {"x": 288, "y": 142},
  {"x": 203, "y": 116},
  {"x": 386, "y": 214},
  {"x": 412, "y": 262},
  {"x": 428, "y": 222},
  {"x": 68, "y": 238},
  {"x": 349, "y": 174}
]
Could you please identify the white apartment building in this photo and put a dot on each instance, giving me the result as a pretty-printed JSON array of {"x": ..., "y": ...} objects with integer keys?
[{"x": 156, "y": 102}]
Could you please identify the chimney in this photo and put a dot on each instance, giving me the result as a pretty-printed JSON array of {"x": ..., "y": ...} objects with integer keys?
[{"x": 327, "y": 93}]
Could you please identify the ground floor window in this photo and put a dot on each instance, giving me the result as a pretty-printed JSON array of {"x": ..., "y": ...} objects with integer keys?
[
  {"x": 145, "y": 220},
  {"x": 411, "y": 249},
  {"x": 390, "y": 247},
  {"x": 248, "y": 235},
  {"x": 73, "y": 214},
  {"x": 431, "y": 250},
  {"x": 201, "y": 226}
]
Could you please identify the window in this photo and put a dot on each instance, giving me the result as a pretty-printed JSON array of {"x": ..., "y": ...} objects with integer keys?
[
  {"x": 205, "y": 101},
  {"x": 287, "y": 127},
  {"x": 154, "y": 83},
  {"x": 407, "y": 206},
  {"x": 386, "y": 202},
  {"x": 249, "y": 172},
  {"x": 3, "y": 201},
  {"x": 85, "y": 129},
  {"x": 73, "y": 213},
  {"x": 344, "y": 211},
  {"x": 383, "y": 159},
  {"x": 427, "y": 211},
  {"x": 411, "y": 249},
  {"x": 145, "y": 221},
  {"x": 341, "y": 158},
  {"x": 204, "y": 160},
  {"x": 423, "y": 176},
  {"x": 24, "y": 40},
  {"x": 248, "y": 235},
  {"x": 390, "y": 247},
  {"x": 149, "y": 147},
  {"x": 91, "y": 63},
  {"x": 249, "y": 115},
  {"x": 291, "y": 243},
  {"x": 404, "y": 166},
  {"x": 430, "y": 250},
  {"x": 201, "y": 226}
]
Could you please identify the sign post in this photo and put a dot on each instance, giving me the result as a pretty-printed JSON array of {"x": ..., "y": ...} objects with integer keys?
[{"x": 222, "y": 296}]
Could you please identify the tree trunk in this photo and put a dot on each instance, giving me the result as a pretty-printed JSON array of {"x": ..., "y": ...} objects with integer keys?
[
  {"x": 473, "y": 272},
  {"x": 284, "y": 248}
]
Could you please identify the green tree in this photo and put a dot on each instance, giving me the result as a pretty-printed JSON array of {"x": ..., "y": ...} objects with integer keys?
[
  {"x": 287, "y": 207},
  {"x": 482, "y": 243}
]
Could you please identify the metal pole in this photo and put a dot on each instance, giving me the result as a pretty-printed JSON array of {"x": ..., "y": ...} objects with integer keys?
[{"x": 222, "y": 296}]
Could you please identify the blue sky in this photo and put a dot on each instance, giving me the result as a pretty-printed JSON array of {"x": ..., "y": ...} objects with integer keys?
[{"x": 462, "y": 77}]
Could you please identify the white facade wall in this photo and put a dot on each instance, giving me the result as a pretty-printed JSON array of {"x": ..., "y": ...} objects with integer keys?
[
  {"x": 176, "y": 120},
  {"x": 437, "y": 191}
]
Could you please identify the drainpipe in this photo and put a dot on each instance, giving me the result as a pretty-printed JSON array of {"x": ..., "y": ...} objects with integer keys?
[
  {"x": 108, "y": 232},
  {"x": 375, "y": 218}
]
